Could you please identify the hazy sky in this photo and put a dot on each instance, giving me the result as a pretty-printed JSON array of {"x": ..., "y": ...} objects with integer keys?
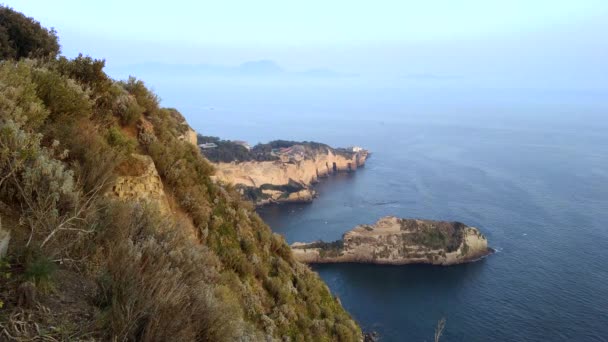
[{"x": 554, "y": 40}]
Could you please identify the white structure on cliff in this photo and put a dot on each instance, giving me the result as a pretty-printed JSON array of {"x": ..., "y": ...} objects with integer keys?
[
  {"x": 357, "y": 149},
  {"x": 207, "y": 145},
  {"x": 242, "y": 143}
]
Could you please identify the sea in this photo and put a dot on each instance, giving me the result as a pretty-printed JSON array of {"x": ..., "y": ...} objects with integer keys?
[{"x": 527, "y": 167}]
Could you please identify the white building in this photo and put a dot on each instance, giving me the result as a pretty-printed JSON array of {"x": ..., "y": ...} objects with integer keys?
[
  {"x": 207, "y": 145},
  {"x": 357, "y": 149}
]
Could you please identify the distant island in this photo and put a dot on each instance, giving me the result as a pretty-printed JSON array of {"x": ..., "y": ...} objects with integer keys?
[
  {"x": 399, "y": 241},
  {"x": 280, "y": 171}
]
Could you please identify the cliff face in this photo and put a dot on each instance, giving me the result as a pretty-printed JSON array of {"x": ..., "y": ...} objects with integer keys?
[
  {"x": 189, "y": 136},
  {"x": 287, "y": 180},
  {"x": 400, "y": 241}
]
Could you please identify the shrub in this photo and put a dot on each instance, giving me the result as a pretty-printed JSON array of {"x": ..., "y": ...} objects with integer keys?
[
  {"x": 158, "y": 286},
  {"x": 21, "y": 36},
  {"x": 246, "y": 246},
  {"x": 127, "y": 109},
  {"x": 92, "y": 157},
  {"x": 145, "y": 98},
  {"x": 63, "y": 97},
  {"x": 86, "y": 71},
  {"x": 119, "y": 141},
  {"x": 18, "y": 98},
  {"x": 40, "y": 271},
  {"x": 45, "y": 189}
]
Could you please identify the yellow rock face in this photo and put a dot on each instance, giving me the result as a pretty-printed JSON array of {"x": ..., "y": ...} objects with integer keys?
[
  {"x": 306, "y": 171},
  {"x": 190, "y": 136},
  {"x": 146, "y": 186}
]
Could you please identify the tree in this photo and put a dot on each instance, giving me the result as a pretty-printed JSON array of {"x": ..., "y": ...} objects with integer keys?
[{"x": 24, "y": 37}]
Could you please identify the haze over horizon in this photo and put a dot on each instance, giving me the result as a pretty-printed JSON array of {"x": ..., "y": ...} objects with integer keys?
[{"x": 542, "y": 44}]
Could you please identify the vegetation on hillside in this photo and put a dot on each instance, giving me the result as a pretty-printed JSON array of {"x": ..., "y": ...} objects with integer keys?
[
  {"x": 21, "y": 37},
  {"x": 326, "y": 249},
  {"x": 447, "y": 236},
  {"x": 229, "y": 151},
  {"x": 82, "y": 265}
]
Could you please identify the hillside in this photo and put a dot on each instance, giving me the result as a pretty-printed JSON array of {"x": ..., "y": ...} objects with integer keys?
[{"x": 117, "y": 231}]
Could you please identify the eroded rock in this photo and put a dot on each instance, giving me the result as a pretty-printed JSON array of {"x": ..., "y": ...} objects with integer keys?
[
  {"x": 139, "y": 180},
  {"x": 400, "y": 241},
  {"x": 287, "y": 179}
]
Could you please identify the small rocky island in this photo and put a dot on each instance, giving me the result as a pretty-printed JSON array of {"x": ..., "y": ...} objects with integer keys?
[
  {"x": 279, "y": 171},
  {"x": 399, "y": 241}
]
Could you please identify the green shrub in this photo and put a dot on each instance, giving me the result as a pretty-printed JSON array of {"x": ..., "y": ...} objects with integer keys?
[
  {"x": 40, "y": 271},
  {"x": 18, "y": 98},
  {"x": 5, "y": 271},
  {"x": 92, "y": 157},
  {"x": 127, "y": 109},
  {"x": 39, "y": 183},
  {"x": 21, "y": 37},
  {"x": 145, "y": 98},
  {"x": 86, "y": 71},
  {"x": 63, "y": 97},
  {"x": 119, "y": 141}
]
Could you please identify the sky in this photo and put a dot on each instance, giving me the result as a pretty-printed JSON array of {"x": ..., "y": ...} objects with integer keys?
[{"x": 547, "y": 41}]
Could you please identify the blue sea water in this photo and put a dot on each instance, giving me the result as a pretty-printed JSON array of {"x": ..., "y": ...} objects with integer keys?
[{"x": 529, "y": 169}]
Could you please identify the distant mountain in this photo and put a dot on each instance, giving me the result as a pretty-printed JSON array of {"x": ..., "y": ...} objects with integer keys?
[{"x": 258, "y": 68}]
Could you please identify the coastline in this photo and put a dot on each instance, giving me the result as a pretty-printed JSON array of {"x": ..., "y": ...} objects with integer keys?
[{"x": 292, "y": 177}]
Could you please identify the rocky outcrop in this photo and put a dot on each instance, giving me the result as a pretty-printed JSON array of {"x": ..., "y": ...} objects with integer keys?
[
  {"x": 189, "y": 136},
  {"x": 399, "y": 241},
  {"x": 288, "y": 179},
  {"x": 139, "y": 180}
]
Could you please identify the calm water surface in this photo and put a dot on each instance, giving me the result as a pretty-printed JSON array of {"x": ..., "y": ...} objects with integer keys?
[{"x": 530, "y": 172}]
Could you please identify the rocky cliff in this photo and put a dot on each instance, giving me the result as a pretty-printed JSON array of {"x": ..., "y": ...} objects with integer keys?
[
  {"x": 139, "y": 180},
  {"x": 288, "y": 179},
  {"x": 399, "y": 241},
  {"x": 189, "y": 135}
]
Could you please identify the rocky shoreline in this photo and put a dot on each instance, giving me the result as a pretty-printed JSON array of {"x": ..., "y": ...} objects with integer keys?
[
  {"x": 291, "y": 176},
  {"x": 398, "y": 241}
]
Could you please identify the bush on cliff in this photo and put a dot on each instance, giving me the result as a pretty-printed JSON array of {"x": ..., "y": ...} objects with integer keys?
[
  {"x": 209, "y": 270},
  {"x": 23, "y": 37}
]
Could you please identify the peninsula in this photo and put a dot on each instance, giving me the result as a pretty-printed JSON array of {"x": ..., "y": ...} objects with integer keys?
[
  {"x": 399, "y": 241},
  {"x": 279, "y": 171}
]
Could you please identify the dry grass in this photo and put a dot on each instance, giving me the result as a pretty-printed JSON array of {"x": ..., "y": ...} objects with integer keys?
[
  {"x": 159, "y": 286},
  {"x": 131, "y": 166}
]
